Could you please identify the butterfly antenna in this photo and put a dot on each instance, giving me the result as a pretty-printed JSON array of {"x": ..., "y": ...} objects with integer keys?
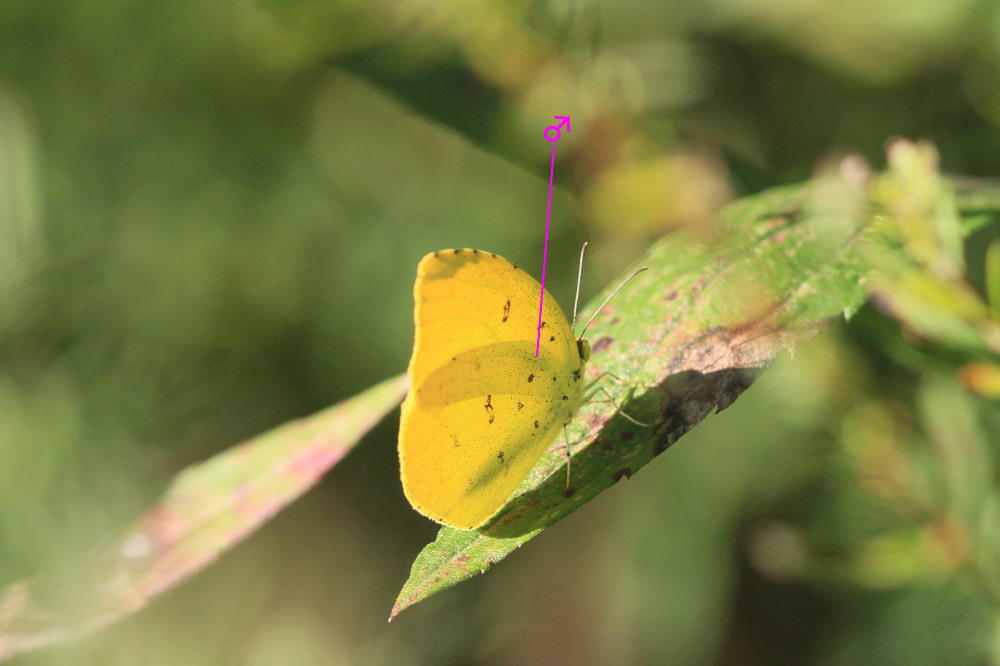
[
  {"x": 579, "y": 276},
  {"x": 610, "y": 296}
]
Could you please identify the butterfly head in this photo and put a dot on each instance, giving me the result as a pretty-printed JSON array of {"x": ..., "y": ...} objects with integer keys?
[{"x": 583, "y": 347}]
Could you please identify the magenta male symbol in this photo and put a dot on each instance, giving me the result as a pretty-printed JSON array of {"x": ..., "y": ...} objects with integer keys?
[
  {"x": 551, "y": 135},
  {"x": 551, "y": 132}
]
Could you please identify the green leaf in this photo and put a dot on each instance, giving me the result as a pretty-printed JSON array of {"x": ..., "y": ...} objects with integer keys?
[
  {"x": 684, "y": 338},
  {"x": 993, "y": 279},
  {"x": 918, "y": 270},
  {"x": 958, "y": 441},
  {"x": 208, "y": 508},
  {"x": 977, "y": 200},
  {"x": 922, "y": 204}
]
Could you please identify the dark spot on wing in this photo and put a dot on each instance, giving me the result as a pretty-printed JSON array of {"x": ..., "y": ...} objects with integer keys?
[
  {"x": 520, "y": 405},
  {"x": 531, "y": 378},
  {"x": 456, "y": 251},
  {"x": 500, "y": 456},
  {"x": 601, "y": 345},
  {"x": 552, "y": 338},
  {"x": 576, "y": 375},
  {"x": 489, "y": 408},
  {"x": 536, "y": 424},
  {"x": 542, "y": 326},
  {"x": 565, "y": 398},
  {"x": 506, "y": 310}
]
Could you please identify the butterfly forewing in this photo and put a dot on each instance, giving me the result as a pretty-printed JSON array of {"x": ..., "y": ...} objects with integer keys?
[{"x": 481, "y": 408}]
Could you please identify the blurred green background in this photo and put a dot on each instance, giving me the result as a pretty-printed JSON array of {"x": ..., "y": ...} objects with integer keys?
[{"x": 210, "y": 219}]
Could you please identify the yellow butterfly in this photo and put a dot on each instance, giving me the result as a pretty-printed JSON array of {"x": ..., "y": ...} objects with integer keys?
[{"x": 482, "y": 408}]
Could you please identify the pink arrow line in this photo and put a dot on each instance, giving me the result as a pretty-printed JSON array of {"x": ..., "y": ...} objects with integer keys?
[{"x": 545, "y": 251}]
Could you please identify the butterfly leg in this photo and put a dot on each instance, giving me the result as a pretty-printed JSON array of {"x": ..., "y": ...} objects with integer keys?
[
  {"x": 569, "y": 458},
  {"x": 610, "y": 375},
  {"x": 613, "y": 377},
  {"x": 593, "y": 382},
  {"x": 610, "y": 399}
]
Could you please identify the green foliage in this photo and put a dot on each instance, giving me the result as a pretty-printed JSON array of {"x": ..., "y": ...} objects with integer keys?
[{"x": 210, "y": 214}]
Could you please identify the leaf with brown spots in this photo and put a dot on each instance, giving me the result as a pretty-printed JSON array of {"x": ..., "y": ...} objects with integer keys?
[{"x": 683, "y": 339}]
